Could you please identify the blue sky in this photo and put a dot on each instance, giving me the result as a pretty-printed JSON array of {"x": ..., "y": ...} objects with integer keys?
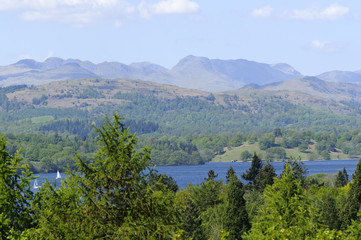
[{"x": 312, "y": 36}]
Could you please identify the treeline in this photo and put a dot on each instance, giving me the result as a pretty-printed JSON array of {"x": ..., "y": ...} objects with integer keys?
[
  {"x": 118, "y": 195},
  {"x": 85, "y": 128},
  {"x": 49, "y": 153},
  {"x": 53, "y": 151}
]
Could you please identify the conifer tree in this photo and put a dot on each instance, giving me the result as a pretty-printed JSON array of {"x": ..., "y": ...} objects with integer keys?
[
  {"x": 345, "y": 176},
  {"x": 192, "y": 223},
  {"x": 353, "y": 201},
  {"x": 265, "y": 177},
  {"x": 253, "y": 171},
  {"x": 211, "y": 175},
  {"x": 15, "y": 194},
  {"x": 236, "y": 218},
  {"x": 286, "y": 213},
  {"x": 229, "y": 174},
  {"x": 110, "y": 197},
  {"x": 342, "y": 178}
]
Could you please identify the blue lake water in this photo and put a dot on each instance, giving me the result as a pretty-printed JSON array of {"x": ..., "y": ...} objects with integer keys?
[{"x": 184, "y": 175}]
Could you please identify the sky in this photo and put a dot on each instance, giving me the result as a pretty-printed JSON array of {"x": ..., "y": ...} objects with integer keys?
[{"x": 312, "y": 36}]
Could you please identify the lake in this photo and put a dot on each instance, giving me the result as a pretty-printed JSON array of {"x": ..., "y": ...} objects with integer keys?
[{"x": 196, "y": 174}]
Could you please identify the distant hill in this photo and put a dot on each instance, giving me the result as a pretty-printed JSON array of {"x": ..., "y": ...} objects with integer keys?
[
  {"x": 179, "y": 111},
  {"x": 191, "y": 72},
  {"x": 341, "y": 76},
  {"x": 339, "y": 91}
]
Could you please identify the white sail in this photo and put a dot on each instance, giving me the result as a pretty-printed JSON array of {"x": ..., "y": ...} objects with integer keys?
[
  {"x": 36, "y": 184},
  {"x": 58, "y": 175}
]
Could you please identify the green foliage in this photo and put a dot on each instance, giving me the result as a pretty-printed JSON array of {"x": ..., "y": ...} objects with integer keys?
[
  {"x": 174, "y": 151},
  {"x": 298, "y": 168},
  {"x": 211, "y": 176},
  {"x": 15, "y": 211},
  {"x": 286, "y": 213},
  {"x": 275, "y": 153},
  {"x": 236, "y": 140},
  {"x": 41, "y": 100},
  {"x": 191, "y": 221},
  {"x": 342, "y": 178},
  {"x": 353, "y": 201},
  {"x": 109, "y": 197},
  {"x": 230, "y": 173},
  {"x": 266, "y": 141},
  {"x": 236, "y": 217},
  {"x": 245, "y": 155},
  {"x": 265, "y": 177},
  {"x": 256, "y": 165}
]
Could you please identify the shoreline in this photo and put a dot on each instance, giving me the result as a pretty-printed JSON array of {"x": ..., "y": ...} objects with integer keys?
[{"x": 318, "y": 160}]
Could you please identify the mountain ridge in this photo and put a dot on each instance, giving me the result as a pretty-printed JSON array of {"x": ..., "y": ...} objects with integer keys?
[{"x": 191, "y": 72}]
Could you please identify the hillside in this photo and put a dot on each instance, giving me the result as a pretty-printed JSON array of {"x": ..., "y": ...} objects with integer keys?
[
  {"x": 191, "y": 72},
  {"x": 336, "y": 91},
  {"x": 178, "y": 111}
]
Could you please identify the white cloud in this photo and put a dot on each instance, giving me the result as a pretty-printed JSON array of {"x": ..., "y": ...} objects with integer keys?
[
  {"x": 334, "y": 11},
  {"x": 324, "y": 46},
  {"x": 146, "y": 10},
  {"x": 175, "y": 6},
  {"x": 263, "y": 12},
  {"x": 80, "y": 12}
]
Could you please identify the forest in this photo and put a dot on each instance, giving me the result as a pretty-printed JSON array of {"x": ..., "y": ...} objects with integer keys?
[
  {"x": 117, "y": 194},
  {"x": 48, "y": 152}
]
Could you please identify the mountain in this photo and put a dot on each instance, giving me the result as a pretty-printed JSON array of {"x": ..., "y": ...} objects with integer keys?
[
  {"x": 222, "y": 75},
  {"x": 336, "y": 91},
  {"x": 191, "y": 72},
  {"x": 341, "y": 76}
]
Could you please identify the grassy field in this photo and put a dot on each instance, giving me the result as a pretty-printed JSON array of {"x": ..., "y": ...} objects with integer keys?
[{"x": 234, "y": 153}]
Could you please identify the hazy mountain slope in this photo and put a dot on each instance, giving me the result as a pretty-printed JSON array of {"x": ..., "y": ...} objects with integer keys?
[
  {"x": 341, "y": 76},
  {"x": 221, "y": 75},
  {"x": 316, "y": 87},
  {"x": 191, "y": 72}
]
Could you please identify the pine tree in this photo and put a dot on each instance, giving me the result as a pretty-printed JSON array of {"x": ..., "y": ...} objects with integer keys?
[
  {"x": 15, "y": 194},
  {"x": 353, "y": 201},
  {"x": 192, "y": 223},
  {"x": 253, "y": 171},
  {"x": 345, "y": 176},
  {"x": 236, "y": 218},
  {"x": 230, "y": 173},
  {"x": 286, "y": 212},
  {"x": 211, "y": 175},
  {"x": 265, "y": 177},
  {"x": 110, "y": 197}
]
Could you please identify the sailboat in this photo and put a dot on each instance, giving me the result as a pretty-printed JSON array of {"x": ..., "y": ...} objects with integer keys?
[
  {"x": 58, "y": 175},
  {"x": 36, "y": 186}
]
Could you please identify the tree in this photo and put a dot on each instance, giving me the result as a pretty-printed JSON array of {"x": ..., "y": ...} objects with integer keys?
[
  {"x": 353, "y": 201},
  {"x": 211, "y": 175},
  {"x": 342, "y": 178},
  {"x": 192, "y": 223},
  {"x": 266, "y": 141},
  {"x": 286, "y": 213},
  {"x": 245, "y": 155},
  {"x": 110, "y": 197},
  {"x": 236, "y": 221},
  {"x": 265, "y": 177},
  {"x": 236, "y": 140},
  {"x": 253, "y": 171},
  {"x": 298, "y": 168},
  {"x": 230, "y": 173},
  {"x": 277, "y": 153},
  {"x": 345, "y": 175},
  {"x": 15, "y": 197}
]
